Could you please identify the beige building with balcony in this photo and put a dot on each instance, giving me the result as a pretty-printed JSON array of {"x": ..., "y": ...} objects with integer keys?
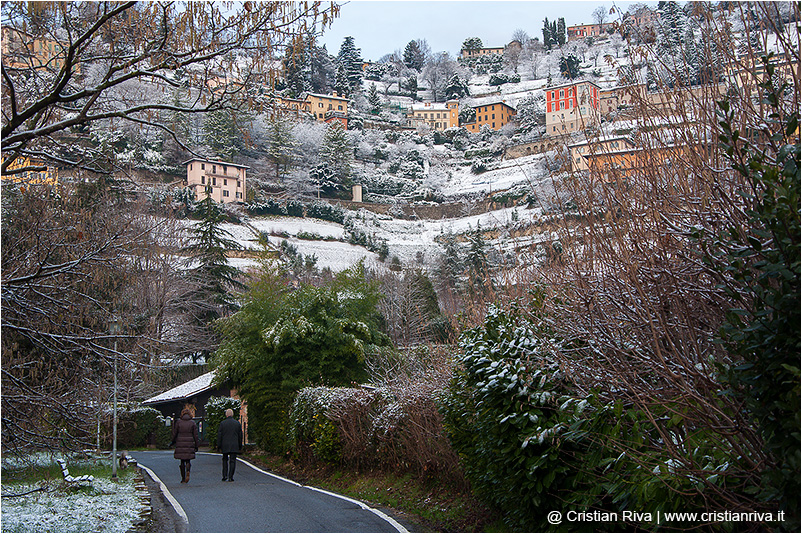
[
  {"x": 438, "y": 116},
  {"x": 223, "y": 180}
]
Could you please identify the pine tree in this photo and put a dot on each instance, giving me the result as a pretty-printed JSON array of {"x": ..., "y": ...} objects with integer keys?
[
  {"x": 210, "y": 273},
  {"x": 222, "y": 133},
  {"x": 373, "y": 99},
  {"x": 349, "y": 67},
  {"x": 297, "y": 65},
  {"x": 671, "y": 26},
  {"x": 336, "y": 153},
  {"x": 280, "y": 146},
  {"x": 414, "y": 56}
]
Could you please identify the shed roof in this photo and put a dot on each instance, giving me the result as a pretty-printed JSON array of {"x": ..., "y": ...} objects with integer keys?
[{"x": 186, "y": 390}]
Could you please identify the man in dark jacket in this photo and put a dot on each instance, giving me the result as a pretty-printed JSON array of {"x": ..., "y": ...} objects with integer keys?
[{"x": 229, "y": 441}]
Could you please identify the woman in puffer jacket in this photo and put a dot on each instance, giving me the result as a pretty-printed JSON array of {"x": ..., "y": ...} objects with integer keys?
[{"x": 185, "y": 439}]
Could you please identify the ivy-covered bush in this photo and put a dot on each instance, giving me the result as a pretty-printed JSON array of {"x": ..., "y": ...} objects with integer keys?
[
  {"x": 139, "y": 427},
  {"x": 531, "y": 443},
  {"x": 216, "y": 412}
]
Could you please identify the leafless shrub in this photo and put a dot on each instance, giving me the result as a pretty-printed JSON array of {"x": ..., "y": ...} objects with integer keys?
[{"x": 633, "y": 296}]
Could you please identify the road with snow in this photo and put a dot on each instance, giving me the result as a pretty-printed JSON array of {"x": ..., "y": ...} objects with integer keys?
[{"x": 257, "y": 501}]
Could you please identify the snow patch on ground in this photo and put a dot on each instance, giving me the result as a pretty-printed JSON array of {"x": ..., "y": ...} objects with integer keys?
[{"x": 105, "y": 506}]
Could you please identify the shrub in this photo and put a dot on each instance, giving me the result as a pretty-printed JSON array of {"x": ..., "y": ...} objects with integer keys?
[
  {"x": 138, "y": 427},
  {"x": 295, "y": 208},
  {"x": 326, "y": 212}
]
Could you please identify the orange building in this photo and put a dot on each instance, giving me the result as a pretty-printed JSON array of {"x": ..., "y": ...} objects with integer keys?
[
  {"x": 571, "y": 107},
  {"x": 224, "y": 181},
  {"x": 580, "y": 31},
  {"x": 493, "y": 115},
  {"x": 438, "y": 116},
  {"x": 636, "y": 161}
]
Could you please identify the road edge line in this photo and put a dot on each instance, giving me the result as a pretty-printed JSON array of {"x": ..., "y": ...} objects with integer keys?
[
  {"x": 395, "y": 524},
  {"x": 166, "y": 492}
]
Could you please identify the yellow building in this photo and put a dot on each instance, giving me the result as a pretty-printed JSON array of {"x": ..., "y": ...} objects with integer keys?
[
  {"x": 225, "y": 181},
  {"x": 438, "y": 116},
  {"x": 493, "y": 115},
  {"x": 327, "y": 108},
  {"x": 582, "y": 152},
  {"x": 30, "y": 171}
]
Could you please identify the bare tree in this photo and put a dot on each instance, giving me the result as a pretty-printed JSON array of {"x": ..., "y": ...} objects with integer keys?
[
  {"x": 122, "y": 61},
  {"x": 600, "y": 15},
  {"x": 78, "y": 258}
]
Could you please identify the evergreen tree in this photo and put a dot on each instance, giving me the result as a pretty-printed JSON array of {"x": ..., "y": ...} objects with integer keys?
[
  {"x": 297, "y": 65},
  {"x": 223, "y": 133},
  {"x": 472, "y": 43},
  {"x": 210, "y": 273},
  {"x": 323, "y": 70},
  {"x": 561, "y": 31},
  {"x": 333, "y": 174},
  {"x": 569, "y": 66},
  {"x": 478, "y": 264},
  {"x": 450, "y": 266},
  {"x": 671, "y": 26},
  {"x": 349, "y": 67},
  {"x": 414, "y": 57},
  {"x": 526, "y": 114},
  {"x": 456, "y": 88},
  {"x": 548, "y": 39},
  {"x": 280, "y": 146},
  {"x": 373, "y": 99}
]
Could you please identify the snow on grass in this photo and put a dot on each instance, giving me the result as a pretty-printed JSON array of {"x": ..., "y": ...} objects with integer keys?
[
  {"x": 103, "y": 506},
  {"x": 335, "y": 255}
]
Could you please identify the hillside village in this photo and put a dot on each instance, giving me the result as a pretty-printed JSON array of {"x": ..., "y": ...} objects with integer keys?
[{"x": 550, "y": 208}]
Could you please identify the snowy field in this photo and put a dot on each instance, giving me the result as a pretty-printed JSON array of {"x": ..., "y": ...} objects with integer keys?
[{"x": 105, "y": 506}]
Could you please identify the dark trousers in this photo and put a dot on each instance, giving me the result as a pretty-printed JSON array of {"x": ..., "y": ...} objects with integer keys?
[{"x": 229, "y": 464}]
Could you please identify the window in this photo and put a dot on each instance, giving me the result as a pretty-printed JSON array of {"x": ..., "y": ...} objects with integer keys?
[
  {"x": 320, "y": 104},
  {"x": 214, "y": 169},
  {"x": 225, "y": 182},
  {"x": 239, "y": 195},
  {"x": 225, "y": 192},
  {"x": 203, "y": 179},
  {"x": 238, "y": 183},
  {"x": 494, "y": 125},
  {"x": 190, "y": 166},
  {"x": 494, "y": 116},
  {"x": 340, "y": 108},
  {"x": 214, "y": 180},
  {"x": 562, "y": 93},
  {"x": 203, "y": 166},
  {"x": 225, "y": 169}
]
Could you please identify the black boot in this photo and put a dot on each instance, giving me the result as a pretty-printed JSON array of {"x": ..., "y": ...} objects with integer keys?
[
  {"x": 189, "y": 466},
  {"x": 183, "y": 472}
]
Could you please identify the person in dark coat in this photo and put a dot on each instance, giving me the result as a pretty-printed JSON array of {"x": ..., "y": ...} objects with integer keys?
[
  {"x": 229, "y": 441},
  {"x": 185, "y": 439}
]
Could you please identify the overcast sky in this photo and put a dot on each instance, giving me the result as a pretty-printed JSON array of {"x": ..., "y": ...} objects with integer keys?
[{"x": 382, "y": 27}]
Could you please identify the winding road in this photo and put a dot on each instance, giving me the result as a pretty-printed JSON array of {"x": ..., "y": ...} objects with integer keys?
[{"x": 257, "y": 501}]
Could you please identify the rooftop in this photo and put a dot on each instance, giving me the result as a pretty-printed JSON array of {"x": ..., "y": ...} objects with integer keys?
[{"x": 185, "y": 390}]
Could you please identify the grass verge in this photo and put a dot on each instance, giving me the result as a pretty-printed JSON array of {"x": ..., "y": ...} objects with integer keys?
[{"x": 421, "y": 505}]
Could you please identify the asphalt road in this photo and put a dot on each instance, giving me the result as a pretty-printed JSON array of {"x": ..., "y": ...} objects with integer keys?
[{"x": 257, "y": 501}]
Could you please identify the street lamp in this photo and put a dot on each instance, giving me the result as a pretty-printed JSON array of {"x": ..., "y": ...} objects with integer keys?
[{"x": 114, "y": 329}]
